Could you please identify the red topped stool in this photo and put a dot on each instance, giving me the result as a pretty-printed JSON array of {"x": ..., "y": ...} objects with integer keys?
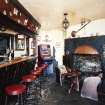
[
  {"x": 36, "y": 72},
  {"x": 28, "y": 78},
  {"x": 15, "y": 89},
  {"x": 43, "y": 66}
]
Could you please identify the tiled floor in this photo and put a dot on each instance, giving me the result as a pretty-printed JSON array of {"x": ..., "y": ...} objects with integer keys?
[{"x": 59, "y": 96}]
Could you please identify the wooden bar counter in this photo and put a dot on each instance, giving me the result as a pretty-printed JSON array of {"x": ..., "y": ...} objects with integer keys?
[
  {"x": 15, "y": 61},
  {"x": 11, "y": 72}
]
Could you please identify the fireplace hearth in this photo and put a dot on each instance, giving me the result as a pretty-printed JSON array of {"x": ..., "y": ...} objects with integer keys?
[{"x": 87, "y": 63}]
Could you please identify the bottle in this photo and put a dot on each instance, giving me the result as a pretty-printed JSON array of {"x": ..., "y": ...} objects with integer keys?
[
  {"x": 8, "y": 53},
  {"x": 12, "y": 54},
  {"x": 9, "y": 56}
]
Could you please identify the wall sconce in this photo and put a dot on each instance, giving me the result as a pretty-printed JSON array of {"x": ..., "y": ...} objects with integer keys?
[{"x": 65, "y": 22}]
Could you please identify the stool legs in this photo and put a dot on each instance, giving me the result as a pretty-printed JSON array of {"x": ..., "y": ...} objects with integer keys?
[
  {"x": 6, "y": 100},
  {"x": 20, "y": 100},
  {"x": 69, "y": 91}
]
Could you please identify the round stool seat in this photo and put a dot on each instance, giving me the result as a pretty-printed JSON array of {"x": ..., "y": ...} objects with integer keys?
[
  {"x": 44, "y": 65},
  {"x": 28, "y": 78},
  {"x": 15, "y": 89},
  {"x": 39, "y": 68},
  {"x": 36, "y": 72}
]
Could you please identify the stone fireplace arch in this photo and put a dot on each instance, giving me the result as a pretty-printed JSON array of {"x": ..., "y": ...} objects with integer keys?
[{"x": 85, "y": 49}]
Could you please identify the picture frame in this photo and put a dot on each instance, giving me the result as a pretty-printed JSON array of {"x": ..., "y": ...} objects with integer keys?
[
  {"x": 33, "y": 44},
  {"x": 20, "y": 42}
]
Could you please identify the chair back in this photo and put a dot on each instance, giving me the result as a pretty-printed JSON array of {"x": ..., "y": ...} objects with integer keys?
[{"x": 62, "y": 69}]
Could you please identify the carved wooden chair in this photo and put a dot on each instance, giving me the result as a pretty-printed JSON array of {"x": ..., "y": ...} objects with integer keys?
[
  {"x": 62, "y": 71},
  {"x": 72, "y": 76}
]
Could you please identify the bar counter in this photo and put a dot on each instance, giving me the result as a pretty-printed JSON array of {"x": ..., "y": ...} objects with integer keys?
[
  {"x": 12, "y": 72},
  {"x": 15, "y": 61}
]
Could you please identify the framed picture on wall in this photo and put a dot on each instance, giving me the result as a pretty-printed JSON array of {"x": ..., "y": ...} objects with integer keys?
[
  {"x": 20, "y": 42},
  {"x": 33, "y": 43}
]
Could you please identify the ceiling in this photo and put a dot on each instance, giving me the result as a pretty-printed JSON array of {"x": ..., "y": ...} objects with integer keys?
[{"x": 49, "y": 13}]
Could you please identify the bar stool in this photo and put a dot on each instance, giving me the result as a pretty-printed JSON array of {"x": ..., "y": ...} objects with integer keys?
[
  {"x": 15, "y": 90},
  {"x": 30, "y": 91},
  {"x": 43, "y": 66},
  {"x": 37, "y": 72},
  {"x": 12, "y": 87},
  {"x": 28, "y": 78}
]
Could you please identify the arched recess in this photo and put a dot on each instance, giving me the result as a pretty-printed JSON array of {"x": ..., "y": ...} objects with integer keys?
[{"x": 85, "y": 49}]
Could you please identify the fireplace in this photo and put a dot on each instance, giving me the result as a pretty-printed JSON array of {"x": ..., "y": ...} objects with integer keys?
[
  {"x": 87, "y": 60},
  {"x": 88, "y": 56}
]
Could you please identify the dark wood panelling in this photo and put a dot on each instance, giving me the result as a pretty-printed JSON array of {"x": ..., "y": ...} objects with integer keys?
[
  {"x": 1, "y": 5},
  {"x": 5, "y": 21},
  {"x": 17, "y": 13}
]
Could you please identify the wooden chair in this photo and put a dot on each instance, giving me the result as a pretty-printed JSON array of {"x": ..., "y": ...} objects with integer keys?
[
  {"x": 74, "y": 81},
  {"x": 72, "y": 75},
  {"x": 62, "y": 71}
]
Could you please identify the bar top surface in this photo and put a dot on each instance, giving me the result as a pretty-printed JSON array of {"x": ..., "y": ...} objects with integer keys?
[{"x": 15, "y": 61}]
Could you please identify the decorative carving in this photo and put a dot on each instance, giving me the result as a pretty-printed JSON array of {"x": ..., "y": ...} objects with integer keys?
[
  {"x": 18, "y": 20},
  {"x": 4, "y": 12},
  {"x": 25, "y": 21},
  {"x": 6, "y": 1},
  {"x": 20, "y": 14},
  {"x": 15, "y": 11},
  {"x": 10, "y": 13}
]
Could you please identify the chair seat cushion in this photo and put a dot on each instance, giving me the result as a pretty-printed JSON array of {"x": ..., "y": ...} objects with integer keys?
[{"x": 15, "y": 89}]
